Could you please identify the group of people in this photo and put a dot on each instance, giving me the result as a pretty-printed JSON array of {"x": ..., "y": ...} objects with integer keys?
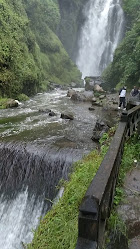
[{"x": 122, "y": 95}]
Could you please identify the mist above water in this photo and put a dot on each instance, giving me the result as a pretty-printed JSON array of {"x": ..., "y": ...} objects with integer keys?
[{"x": 100, "y": 35}]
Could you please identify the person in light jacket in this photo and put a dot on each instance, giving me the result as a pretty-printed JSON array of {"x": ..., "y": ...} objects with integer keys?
[{"x": 122, "y": 96}]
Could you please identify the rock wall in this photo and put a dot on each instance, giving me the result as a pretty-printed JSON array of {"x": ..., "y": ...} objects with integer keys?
[{"x": 71, "y": 21}]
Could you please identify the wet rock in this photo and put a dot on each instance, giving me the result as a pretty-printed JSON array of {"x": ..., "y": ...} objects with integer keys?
[
  {"x": 51, "y": 113},
  {"x": 98, "y": 88},
  {"x": 44, "y": 110},
  {"x": 12, "y": 103},
  {"x": 99, "y": 130},
  {"x": 97, "y": 103},
  {"x": 67, "y": 116},
  {"x": 102, "y": 96},
  {"x": 70, "y": 92},
  {"x": 91, "y": 108},
  {"x": 91, "y": 81},
  {"x": 94, "y": 100},
  {"x": 64, "y": 87},
  {"x": 89, "y": 86},
  {"x": 53, "y": 85},
  {"x": 82, "y": 96}
]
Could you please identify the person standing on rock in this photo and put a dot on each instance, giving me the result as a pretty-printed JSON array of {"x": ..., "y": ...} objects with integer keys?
[{"x": 122, "y": 96}]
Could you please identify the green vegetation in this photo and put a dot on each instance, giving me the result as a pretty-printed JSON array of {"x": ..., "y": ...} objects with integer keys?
[
  {"x": 131, "y": 153},
  {"x": 3, "y": 103},
  {"x": 125, "y": 68},
  {"x": 59, "y": 228},
  {"x": 22, "y": 97},
  {"x": 31, "y": 54}
]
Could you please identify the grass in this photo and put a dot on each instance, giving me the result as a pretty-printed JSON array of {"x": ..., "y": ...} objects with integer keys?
[
  {"x": 59, "y": 228},
  {"x": 131, "y": 153},
  {"x": 3, "y": 102}
]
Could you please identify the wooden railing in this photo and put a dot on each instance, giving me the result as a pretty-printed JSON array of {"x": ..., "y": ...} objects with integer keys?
[{"x": 98, "y": 200}]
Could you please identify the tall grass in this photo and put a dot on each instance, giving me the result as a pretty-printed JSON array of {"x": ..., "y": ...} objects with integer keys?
[{"x": 59, "y": 228}]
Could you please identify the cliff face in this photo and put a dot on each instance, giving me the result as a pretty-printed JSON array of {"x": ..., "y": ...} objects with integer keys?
[
  {"x": 31, "y": 54},
  {"x": 71, "y": 21}
]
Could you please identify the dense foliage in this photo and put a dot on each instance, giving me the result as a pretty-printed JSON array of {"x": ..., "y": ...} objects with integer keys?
[
  {"x": 125, "y": 68},
  {"x": 31, "y": 54}
]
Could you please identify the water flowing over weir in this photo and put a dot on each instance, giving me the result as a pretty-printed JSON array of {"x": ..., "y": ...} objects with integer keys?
[
  {"x": 100, "y": 35},
  {"x": 36, "y": 151}
]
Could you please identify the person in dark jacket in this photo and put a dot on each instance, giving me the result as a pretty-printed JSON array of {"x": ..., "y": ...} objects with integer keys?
[
  {"x": 122, "y": 95},
  {"x": 134, "y": 92}
]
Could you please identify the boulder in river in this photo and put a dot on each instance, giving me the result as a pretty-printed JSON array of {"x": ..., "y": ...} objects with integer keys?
[
  {"x": 91, "y": 108},
  {"x": 70, "y": 92},
  {"x": 82, "y": 96},
  {"x": 51, "y": 113},
  {"x": 98, "y": 88},
  {"x": 67, "y": 116},
  {"x": 99, "y": 130},
  {"x": 12, "y": 103},
  {"x": 45, "y": 110}
]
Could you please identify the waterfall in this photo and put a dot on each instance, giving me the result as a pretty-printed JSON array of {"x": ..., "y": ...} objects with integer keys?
[
  {"x": 100, "y": 35},
  {"x": 29, "y": 175}
]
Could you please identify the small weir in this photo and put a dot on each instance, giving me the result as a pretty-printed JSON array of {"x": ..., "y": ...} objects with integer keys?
[{"x": 36, "y": 151}]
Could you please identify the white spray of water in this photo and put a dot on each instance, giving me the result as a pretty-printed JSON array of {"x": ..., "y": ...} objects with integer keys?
[
  {"x": 17, "y": 219},
  {"x": 100, "y": 35}
]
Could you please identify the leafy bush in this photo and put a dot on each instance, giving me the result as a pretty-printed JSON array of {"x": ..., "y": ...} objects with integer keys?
[{"x": 22, "y": 97}]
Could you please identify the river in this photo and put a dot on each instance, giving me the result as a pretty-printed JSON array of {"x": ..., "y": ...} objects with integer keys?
[{"x": 36, "y": 151}]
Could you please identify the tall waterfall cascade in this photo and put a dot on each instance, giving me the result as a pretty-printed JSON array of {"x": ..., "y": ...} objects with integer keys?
[{"x": 100, "y": 35}]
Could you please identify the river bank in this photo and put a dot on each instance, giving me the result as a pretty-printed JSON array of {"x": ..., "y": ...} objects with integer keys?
[{"x": 59, "y": 228}]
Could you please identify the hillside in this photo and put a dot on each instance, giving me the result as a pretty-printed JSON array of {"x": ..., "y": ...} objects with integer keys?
[
  {"x": 125, "y": 68},
  {"x": 31, "y": 54}
]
